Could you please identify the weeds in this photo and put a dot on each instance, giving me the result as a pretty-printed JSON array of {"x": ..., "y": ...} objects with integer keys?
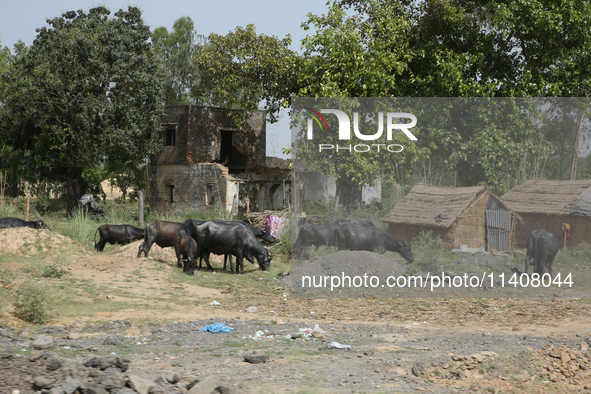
[
  {"x": 53, "y": 271},
  {"x": 81, "y": 228},
  {"x": 31, "y": 303},
  {"x": 8, "y": 209},
  {"x": 426, "y": 248},
  {"x": 580, "y": 254}
]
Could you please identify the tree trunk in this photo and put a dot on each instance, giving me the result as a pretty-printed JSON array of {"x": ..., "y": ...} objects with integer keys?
[
  {"x": 573, "y": 169},
  {"x": 347, "y": 197},
  {"x": 74, "y": 188}
]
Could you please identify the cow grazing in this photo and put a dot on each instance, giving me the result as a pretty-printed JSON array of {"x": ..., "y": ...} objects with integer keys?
[
  {"x": 116, "y": 234},
  {"x": 190, "y": 227},
  {"x": 365, "y": 238},
  {"x": 228, "y": 239},
  {"x": 163, "y": 234},
  {"x": 16, "y": 222},
  {"x": 542, "y": 247},
  {"x": 314, "y": 235},
  {"x": 188, "y": 248}
]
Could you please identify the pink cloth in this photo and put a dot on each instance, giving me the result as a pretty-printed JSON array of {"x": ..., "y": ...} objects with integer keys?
[{"x": 275, "y": 225}]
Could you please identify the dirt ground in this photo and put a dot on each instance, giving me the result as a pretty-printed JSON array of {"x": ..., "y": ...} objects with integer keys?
[{"x": 147, "y": 311}]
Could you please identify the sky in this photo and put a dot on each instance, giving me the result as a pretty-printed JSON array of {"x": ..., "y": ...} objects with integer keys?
[{"x": 19, "y": 20}]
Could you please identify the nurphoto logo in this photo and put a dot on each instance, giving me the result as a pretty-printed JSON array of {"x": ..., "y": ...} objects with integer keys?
[{"x": 345, "y": 129}]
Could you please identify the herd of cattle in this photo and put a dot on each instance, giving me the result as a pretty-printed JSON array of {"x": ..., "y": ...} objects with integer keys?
[{"x": 195, "y": 239}]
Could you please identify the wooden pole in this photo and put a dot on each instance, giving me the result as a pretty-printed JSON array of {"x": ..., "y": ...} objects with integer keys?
[
  {"x": 28, "y": 206},
  {"x": 234, "y": 205},
  {"x": 141, "y": 207}
]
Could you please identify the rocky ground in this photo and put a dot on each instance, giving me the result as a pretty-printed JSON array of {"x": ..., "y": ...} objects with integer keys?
[
  {"x": 301, "y": 357},
  {"x": 140, "y": 332}
]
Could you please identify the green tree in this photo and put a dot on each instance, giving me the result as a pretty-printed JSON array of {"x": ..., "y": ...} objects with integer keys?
[
  {"x": 87, "y": 92},
  {"x": 244, "y": 69},
  {"x": 176, "y": 50}
]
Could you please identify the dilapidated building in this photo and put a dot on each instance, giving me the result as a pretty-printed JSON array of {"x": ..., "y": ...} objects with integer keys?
[{"x": 208, "y": 162}]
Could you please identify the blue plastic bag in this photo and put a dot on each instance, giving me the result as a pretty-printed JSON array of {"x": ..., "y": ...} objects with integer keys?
[{"x": 217, "y": 327}]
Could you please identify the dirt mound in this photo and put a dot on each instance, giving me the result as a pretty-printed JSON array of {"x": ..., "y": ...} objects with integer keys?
[
  {"x": 359, "y": 266},
  {"x": 30, "y": 241},
  {"x": 490, "y": 262},
  {"x": 562, "y": 362}
]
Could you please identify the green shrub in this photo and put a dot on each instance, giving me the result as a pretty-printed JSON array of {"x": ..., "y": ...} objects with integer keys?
[
  {"x": 31, "y": 303},
  {"x": 53, "y": 271},
  {"x": 425, "y": 240},
  {"x": 8, "y": 209},
  {"x": 426, "y": 248},
  {"x": 81, "y": 228}
]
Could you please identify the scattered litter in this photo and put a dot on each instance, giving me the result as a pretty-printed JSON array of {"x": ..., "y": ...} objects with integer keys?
[
  {"x": 217, "y": 327},
  {"x": 138, "y": 343},
  {"x": 257, "y": 335},
  {"x": 318, "y": 329},
  {"x": 336, "y": 345},
  {"x": 214, "y": 303},
  {"x": 113, "y": 353},
  {"x": 67, "y": 347},
  {"x": 252, "y": 309},
  {"x": 306, "y": 332}
]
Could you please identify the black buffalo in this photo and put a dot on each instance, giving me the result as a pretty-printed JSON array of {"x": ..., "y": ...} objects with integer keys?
[
  {"x": 16, "y": 222},
  {"x": 229, "y": 239},
  {"x": 188, "y": 249},
  {"x": 364, "y": 238},
  {"x": 190, "y": 228},
  {"x": 116, "y": 234},
  {"x": 163, "y": 234},
  {"x": 314, "y": 235},
  {"x": 542, "y": 247},
  {"x": 354, "y": 222}
]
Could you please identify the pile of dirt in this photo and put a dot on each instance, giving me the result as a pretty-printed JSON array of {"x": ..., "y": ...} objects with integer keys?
[
  {"x": 490, "y": 262},
  {"x": 562, "y": 362},
  {"x": 360, "y": 266},
  {"x": 29, "y": 241}
]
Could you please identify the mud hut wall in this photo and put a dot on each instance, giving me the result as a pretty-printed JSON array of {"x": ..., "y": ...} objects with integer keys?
[
  {"x": 580, "y": 228},
  {"x": 469, "y": 228},
  {"x": 409, "y": 233},
  {"x": 190, "y": 187}
]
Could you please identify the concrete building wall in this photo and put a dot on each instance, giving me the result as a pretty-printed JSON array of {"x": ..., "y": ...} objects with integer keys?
[
  {"x": 192, "y": 187},
  {"x": 371, "y": 194},
  {"x": 199, "y": 137}
]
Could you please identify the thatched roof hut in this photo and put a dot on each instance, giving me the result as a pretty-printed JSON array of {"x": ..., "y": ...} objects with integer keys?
[
  {"x": 471, "y": 216},
  {"x": 550, "y": 204}
]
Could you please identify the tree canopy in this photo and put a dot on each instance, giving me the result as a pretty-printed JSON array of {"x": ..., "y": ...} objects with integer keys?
[
  {"x": 175, "y": 50},
  {"x": 429, "y": 48},
  {"x": 88, "y": 91}
]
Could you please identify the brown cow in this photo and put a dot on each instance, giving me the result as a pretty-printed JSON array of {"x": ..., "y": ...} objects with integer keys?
[{"x": 163, "y": 234}]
